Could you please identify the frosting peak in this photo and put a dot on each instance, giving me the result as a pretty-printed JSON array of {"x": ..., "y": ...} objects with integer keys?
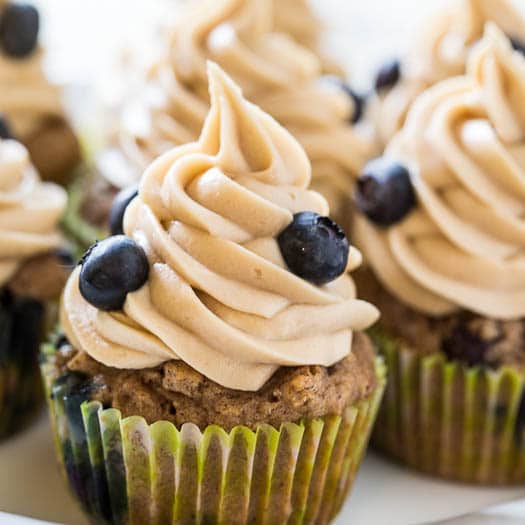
[
  {"x": 219, "y": 295},
  {"x": 464, "y": 145},
  {"x": 29, "y": 210}
]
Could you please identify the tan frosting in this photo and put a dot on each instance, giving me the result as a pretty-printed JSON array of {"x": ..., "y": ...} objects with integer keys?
[
  {"x": 464, "y": 144},
  {"x": 441, "y": 52},
  {"x": 26, "y": 95},
  {"x": 219, "y": 295},
  {"x": 29, "y": 210},
  {"x": 273, "y": 70}
]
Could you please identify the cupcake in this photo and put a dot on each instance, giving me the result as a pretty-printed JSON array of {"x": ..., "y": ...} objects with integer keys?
[
  {"x": 442, "y": 229},
  {"x": 30, "y": 106},
  {"x": 210, "y": 371},
  {"x": 275, "y": 72},
  {"x": 440, "y": 52},
  {"x": 32, "y": 274}
]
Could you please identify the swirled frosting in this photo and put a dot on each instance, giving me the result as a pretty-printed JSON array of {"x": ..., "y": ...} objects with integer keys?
[
  {"x": 274, "y": 71},
  {"x": 219, "y": 295},
  {"x": 441, "y": 52},
  {"x": 464, "y": 144},
  {"x": 26, "y": 95},
  {"x": 30, "y": 210}
]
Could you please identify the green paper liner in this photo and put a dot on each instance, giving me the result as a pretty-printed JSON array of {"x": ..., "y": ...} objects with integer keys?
[
  {"x": 124, "y": 471},
  {"x": 450, "y": 420},
  {"x": 22, "y": 328}
]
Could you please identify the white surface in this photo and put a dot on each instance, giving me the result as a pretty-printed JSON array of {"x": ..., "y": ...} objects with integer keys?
[{"x": 384, "y": 494}]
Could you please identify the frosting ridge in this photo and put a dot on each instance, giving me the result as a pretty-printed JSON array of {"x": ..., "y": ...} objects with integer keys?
[
  {"x": 463, "y": 142},
  {"x": 219, "y": 295},
  {"x": 30, "y": 210}
]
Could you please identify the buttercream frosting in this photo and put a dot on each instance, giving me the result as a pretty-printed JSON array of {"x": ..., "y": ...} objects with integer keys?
[
  {"x": 463, "y": 247},
  {"x": 274, "y": 71},
  {"x": 440, "y": 52},
  {"x": 27, "y": 97},
  {"x": 219, "y": 295},
  {"x": 30, "y": 210}
]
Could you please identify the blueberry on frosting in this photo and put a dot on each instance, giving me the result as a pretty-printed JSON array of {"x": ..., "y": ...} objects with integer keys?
[
  {"x": 19, "y": 26},
  {"x": 384, "y": 192},
  {"x": 5, "y": 129},
  {"x": 314, "y": 247},
  {"x": 518, "y": 45},
  {"x": 388, "y": 75},
  {"x": 110, "y": 270},
  {"x": 118, "y": 209}
]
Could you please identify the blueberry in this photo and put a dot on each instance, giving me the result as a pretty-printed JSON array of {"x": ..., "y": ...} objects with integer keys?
[
  {"x": 358, "y": 100},
  {"x": 19, "y": 26},
  {"x": 5, "y": 129},
  {"x": 314, "y": 247},
  {"x": 518, "y": 45},
  {"x": 468, "y": 346},
  {"x": 110, "y": 270},
  {"x": 384, "y": 192},
  {"x": 388, "y": 75},
  {"x": 118, "y": 209}
]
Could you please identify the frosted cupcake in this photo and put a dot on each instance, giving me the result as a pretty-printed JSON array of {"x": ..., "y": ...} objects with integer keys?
[
  {"x": 33, "y": 271},
  {"x": 30, "y": 107},
  {"x": 440, "y": 52},
  {"x": 275, "y": 72},
  {"x": 217, "y": 344},
  {"x": 442, "y": 228}
]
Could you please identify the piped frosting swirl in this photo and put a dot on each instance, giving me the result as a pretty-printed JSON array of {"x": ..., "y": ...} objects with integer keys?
[
  {"x": 273, "y": 70},
  {"x": 219, "y": 295},
  {"x": 464, "y": 144},
  {"x": 441, "y": 52},
  {"x": 30, "y": 210}
]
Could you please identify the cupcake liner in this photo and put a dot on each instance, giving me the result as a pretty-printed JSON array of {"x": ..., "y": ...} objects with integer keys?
[
  {"x": 23, "y": 323},
  {"x": 124, "y": 471},
  {"x": 450, "y": 420}
]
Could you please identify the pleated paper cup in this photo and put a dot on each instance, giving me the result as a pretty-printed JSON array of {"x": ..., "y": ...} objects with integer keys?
[
  {"x": 124, "y": 471},
  {"x": 23, "y": 323},
  {"x": 450, "y": 420}
]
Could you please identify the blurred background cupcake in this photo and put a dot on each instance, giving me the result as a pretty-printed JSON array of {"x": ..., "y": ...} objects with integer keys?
[
  {"x": 33, "y": 270},
  {"x": 275, "y": 71},
  {"x": 439, "y": 52},
  {"x": 30, "y": 105},
  {"x": 245, "y": 392},
  {"x": 442, "y": 229}
]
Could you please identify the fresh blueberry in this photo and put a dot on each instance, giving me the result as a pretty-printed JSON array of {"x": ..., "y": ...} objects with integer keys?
[
  {"x": 116, "y": 217},
  {"x": 384, "y": 192},
  {"x": 110, "y": 270},
  {"x": 518, "y": 45},
  {"x": 468, "y": 346},
  {"x": 314, "y": 247},
  {"x": 358, "y": 100},
  {"x": 19, "y": 26},
  {"x": 388, "y": 75},
  {"x": 5, "y": 129}
]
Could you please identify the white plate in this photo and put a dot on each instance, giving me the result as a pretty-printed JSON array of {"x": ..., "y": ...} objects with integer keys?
[{"x": 30, "y": 485}]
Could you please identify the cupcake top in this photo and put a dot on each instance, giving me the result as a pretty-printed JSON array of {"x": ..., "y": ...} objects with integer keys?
[
  {"x": 444, "y": 208},
  {"x": 27, "y": 97},
  {"x": 441, "y": 52},
  {"x": 273, "y": 70},
  {"x": 30, "y": 210},
  {"x": 213, "y": 218}
]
